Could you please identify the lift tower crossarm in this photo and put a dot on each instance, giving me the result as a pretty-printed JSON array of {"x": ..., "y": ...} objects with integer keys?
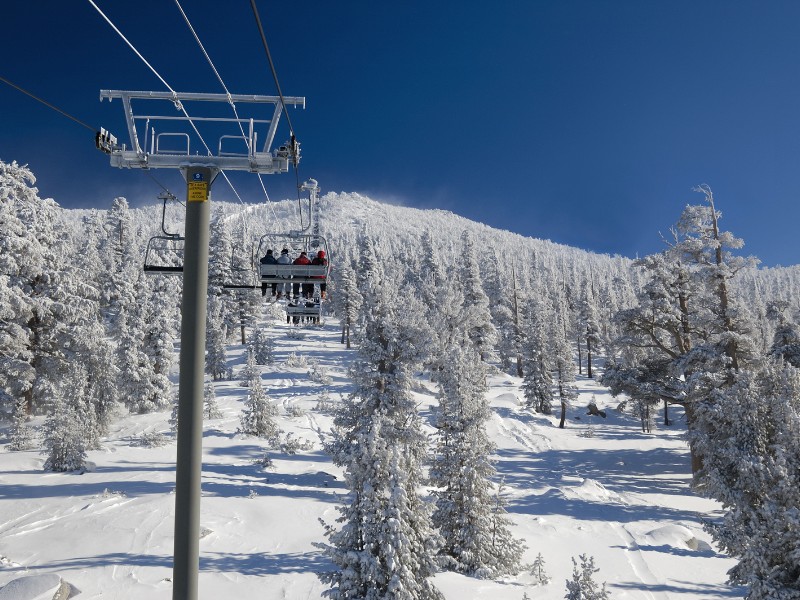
[{"x": 255, "y": 160}]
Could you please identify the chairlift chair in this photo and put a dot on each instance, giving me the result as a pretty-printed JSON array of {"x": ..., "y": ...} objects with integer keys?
[
  {"x": 164, "y": 252},
  {"x": 296, "y": 242},
  {"x": 164, "y": 255}
]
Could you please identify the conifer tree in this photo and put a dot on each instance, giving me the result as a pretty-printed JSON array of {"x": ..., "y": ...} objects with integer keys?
[
  {"x": 587, "y": 325},
  {"x": 157, "y": 349},
  {"x": 258, "y": 414},
  {"x": 69, "y": 426},
  {"x": 786, "y": 340},
  {"x": 347, "y": 301},
  {"x": 211, "y": 408},
  {"x": 22, "y": 435},
  {"x": 537, "y": 380},
  {"x": 367, "y": 266},
  {"x": 749, "y": 436},
  {"x": 504, "y": 308},
  {"x": 250, "y": 371},
  {"x": 564, "y": 371},
  {"x": 476, "y": 302},
  {"x": 262, "y": 346},
  {"x": 133, "y": 360},
  {"x": 431, "y": 273},
  {"x": 385, "y": 547},
  {"x": 582, "y": 586},
  {"x": 538, "y": 572},
  {"x": 216, "y": 353},
  {"x": 475, "y": 530},
  {"x": 689, "y": 321},
  {"x": 28, "y": 247}
]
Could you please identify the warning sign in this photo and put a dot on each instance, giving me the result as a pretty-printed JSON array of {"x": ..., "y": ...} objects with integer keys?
[{"x": 198, "y": 191}]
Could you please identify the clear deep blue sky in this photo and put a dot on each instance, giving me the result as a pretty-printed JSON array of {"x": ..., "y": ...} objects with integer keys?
[{"x": 584, "y": 122}]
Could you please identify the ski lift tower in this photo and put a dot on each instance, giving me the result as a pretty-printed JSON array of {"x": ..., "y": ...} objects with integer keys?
[{"x": 180, "y": 146}]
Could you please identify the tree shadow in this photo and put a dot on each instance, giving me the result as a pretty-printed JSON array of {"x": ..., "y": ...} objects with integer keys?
[
  {"x": 709, "y": 591},
  {"x": 257, "y": 563}
]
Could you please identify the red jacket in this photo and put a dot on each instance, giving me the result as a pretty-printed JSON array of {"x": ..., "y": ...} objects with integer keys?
[{"x": 301, "y": 260}]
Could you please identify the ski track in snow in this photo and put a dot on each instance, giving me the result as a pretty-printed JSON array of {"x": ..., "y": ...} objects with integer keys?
[
  {"x": 41, "y": 524},
  {"x": 638, "y": 564},
  {"x": 521, "y": 433},
  {"x": 12, "y": 523}
]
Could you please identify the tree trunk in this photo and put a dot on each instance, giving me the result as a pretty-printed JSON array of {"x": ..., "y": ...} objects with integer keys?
[
  {"x": 588, "y": 358},
  {"x": 667, "y": 422},
  {"x": 242, "y": 318},
  {"x": 697, "y": 460}
]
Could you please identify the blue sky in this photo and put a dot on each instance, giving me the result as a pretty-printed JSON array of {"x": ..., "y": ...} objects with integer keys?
[{"x": 584, "y": 122}]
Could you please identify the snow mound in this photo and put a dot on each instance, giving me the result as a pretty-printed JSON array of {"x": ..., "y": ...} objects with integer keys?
[
  {"x": 506, "y": 398},
  {"x": 677, "y": 536},
  {"x": 38, "y": 587},
  {"x": 591, "y": 490}
]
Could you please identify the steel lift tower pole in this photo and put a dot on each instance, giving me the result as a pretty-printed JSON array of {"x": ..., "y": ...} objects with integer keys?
[
  {"x": 189, "y": 469},
  {"x": 199, "y": 170}
]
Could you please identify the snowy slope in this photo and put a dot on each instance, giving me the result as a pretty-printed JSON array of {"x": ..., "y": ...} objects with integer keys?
[{"x": 599, "y": 487}]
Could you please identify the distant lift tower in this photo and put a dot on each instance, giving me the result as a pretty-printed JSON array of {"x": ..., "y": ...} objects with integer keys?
[{"x": 181, "y": 147}]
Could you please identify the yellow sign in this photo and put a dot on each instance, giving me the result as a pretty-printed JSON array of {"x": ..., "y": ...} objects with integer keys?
[{"x": 198, "y": 191}]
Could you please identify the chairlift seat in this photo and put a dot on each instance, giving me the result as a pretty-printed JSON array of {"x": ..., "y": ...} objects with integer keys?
[
  {"x": 303, "y": 309},
  {"x": 162, "y": 269},
  {"x": 277, "y": 273},
  {"x": 164, "y": 254}
]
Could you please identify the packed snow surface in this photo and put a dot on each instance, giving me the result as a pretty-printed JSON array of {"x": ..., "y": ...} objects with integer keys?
[{"x": 598, "y": 487}]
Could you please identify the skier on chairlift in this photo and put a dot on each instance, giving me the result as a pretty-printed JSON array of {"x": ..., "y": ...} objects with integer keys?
[{"x": 269, "y": 259}]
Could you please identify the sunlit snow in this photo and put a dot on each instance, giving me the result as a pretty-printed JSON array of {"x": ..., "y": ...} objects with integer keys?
[{"x": 599, "y": 487}]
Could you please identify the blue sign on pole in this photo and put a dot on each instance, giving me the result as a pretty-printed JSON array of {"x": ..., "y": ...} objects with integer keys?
[{"x": 197, "y": 176}]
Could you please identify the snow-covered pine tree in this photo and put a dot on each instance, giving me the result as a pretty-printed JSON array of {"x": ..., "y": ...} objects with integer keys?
[
  {"x": 367, "y": 266},
  {"x": 347, "y": 301},
  {"x": 588, "y": 327},
  {"x": 786, "y": 340},
  {"x": 537, "y": 379},
  {"x": 258, "y": 414},
  {"x": 250, "y": 370},
  {"x": 216, "y": 353},
  {"x": 242, "y": 306},
  {"x": 749, "y": 436},
  {"x": 475, "y": 532},
  {"x": 582, "y": 586},
  {"x": 22, "y": 434},
  {"x": 211, "y": 408},
  {"x": 262, "y": 346},
  {"x": 477, "y": 315},
  {"x": 386, "y": 545},
  {"x": 538, "y": 572},
  {"x": 133, "y": 361},
  {"x": 689, "y": 320},
  {"x": 220, "y": 253},
  {"x": 27, "y": 257},
  {"x": 564, "y": 370},
  {"x": 69, "y": 425},
  {"x": 504, "y": 307},
  {"x": 431, "y": 274},
  {"x": 96, "y": 350},
  {"x": 157, "y": 345}
]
